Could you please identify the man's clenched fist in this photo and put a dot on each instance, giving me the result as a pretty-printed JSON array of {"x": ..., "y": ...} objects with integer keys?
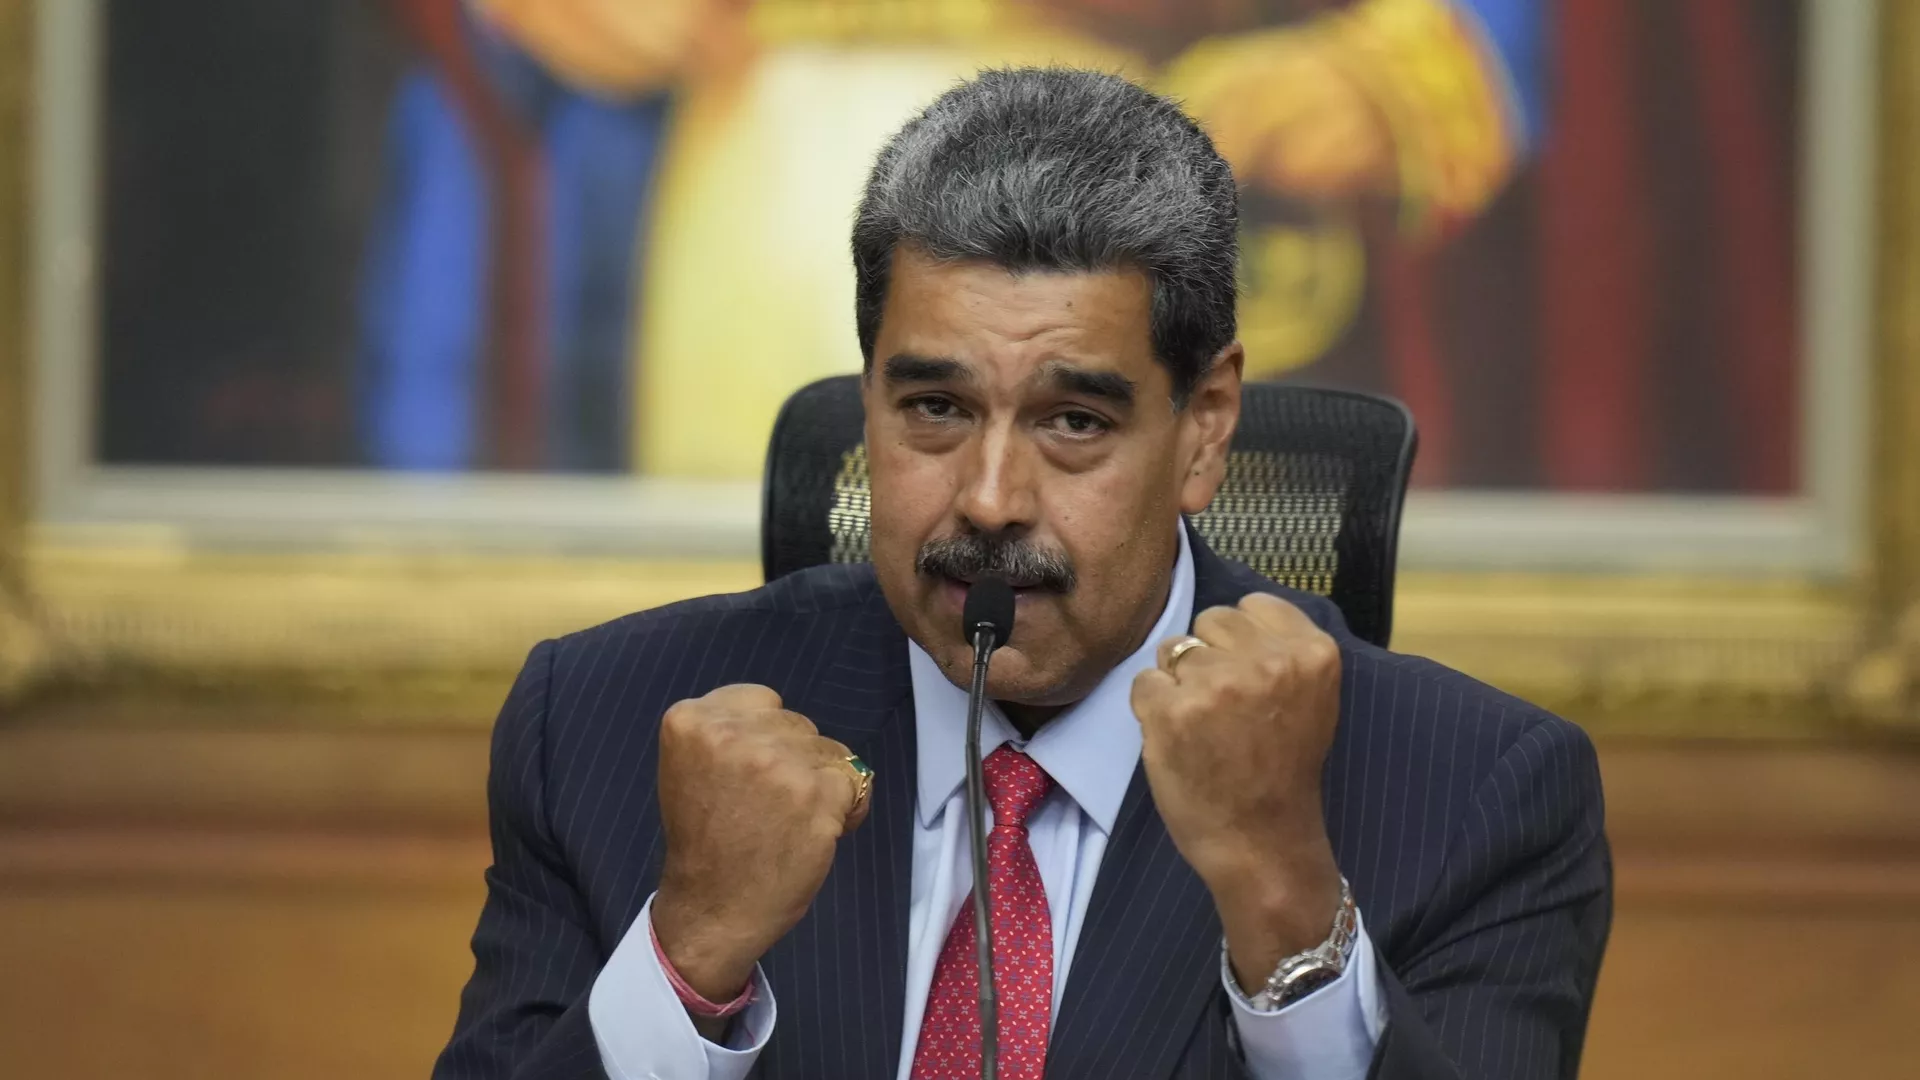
[
  {"x": 1235, "y": 730},
  {"x": 752, "y": 799}
]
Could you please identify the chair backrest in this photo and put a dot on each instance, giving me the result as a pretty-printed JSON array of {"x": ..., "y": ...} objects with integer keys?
[{"x": 1315, "y": 482}]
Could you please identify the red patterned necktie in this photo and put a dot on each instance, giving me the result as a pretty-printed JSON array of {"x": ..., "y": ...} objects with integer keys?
[{"x": 1022, "y": 945}]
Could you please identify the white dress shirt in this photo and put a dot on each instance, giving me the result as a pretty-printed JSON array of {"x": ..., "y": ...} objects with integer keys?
[{"x": 1090, "y": 750}]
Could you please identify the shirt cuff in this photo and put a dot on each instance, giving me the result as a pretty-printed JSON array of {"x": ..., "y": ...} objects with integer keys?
[
  {"x": 1327, "y": 1035},
  {"x": 643, "y": 1031}
]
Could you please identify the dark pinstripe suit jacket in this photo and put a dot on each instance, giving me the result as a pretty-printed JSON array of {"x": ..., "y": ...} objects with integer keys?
[{"x": 1469, "y": 823}]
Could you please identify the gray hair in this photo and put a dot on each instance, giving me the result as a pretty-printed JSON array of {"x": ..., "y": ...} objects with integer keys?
[{"x": 1061, "y": 169}]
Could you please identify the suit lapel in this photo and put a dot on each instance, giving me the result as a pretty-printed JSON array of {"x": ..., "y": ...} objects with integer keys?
[
  {"x": 840, "y": 976},
  {"x": 1148, "y": 959}
]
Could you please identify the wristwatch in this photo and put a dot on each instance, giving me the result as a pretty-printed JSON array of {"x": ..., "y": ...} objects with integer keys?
[{"x": 1303, "y": 973}]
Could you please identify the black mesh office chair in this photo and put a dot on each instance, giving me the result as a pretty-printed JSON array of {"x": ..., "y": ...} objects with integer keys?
[{"x": 1315, "y": 480}]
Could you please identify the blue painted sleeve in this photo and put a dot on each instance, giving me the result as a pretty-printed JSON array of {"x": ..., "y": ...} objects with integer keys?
[{"x": 1517, "y": 31}]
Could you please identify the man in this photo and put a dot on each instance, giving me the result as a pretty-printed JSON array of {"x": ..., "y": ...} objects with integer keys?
[{"x": 1229, "y": 839}]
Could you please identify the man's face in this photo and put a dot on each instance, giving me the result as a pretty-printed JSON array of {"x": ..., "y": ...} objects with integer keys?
[{"x": 1019, "y": 424}]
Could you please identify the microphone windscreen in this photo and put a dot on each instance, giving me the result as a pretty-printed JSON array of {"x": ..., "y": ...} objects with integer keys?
[{"x": 990, "y": 605}]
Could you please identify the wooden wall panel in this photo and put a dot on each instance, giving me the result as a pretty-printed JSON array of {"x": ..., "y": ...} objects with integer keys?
[
  {"x": 1703, "y": 990},
  {"x": 276, "y": 982}
]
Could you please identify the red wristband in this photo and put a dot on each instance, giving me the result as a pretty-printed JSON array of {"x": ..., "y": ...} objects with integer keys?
[{"x": 691, "y": 998}]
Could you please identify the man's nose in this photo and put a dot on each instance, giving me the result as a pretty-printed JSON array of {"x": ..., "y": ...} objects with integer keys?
[{"x": 998, "y": 495}]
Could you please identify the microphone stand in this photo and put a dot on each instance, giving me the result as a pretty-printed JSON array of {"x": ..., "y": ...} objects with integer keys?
[{"x": 983, "y": 645}]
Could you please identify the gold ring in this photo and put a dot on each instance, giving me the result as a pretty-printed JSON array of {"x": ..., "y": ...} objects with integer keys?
[
  {"x": 1181, "y": 648},
  {"x": 862, "y": 780}
]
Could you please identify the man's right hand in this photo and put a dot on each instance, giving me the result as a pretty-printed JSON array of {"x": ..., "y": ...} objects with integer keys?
[{"x": 752, "y": 799}]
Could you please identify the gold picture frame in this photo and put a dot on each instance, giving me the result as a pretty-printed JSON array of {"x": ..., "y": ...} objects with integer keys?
[
  {"x": 146, "y": 628},
  {"x": 20, "y": 642}
]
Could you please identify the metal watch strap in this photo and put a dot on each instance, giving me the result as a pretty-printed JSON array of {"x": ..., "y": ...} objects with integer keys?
[{"x": 1299, "y": 974}]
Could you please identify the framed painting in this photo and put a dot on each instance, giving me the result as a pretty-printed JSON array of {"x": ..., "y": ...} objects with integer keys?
[{"x": 356, "y": 346}]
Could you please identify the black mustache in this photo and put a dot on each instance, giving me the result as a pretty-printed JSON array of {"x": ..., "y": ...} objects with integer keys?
[{"x": 1023, "y": 565}]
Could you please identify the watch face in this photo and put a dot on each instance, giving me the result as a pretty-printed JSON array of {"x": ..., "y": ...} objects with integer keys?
[{"x": 1315, "y": 978}]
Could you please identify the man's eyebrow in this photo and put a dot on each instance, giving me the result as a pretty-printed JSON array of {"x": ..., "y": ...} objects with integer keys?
[
  {"x": 1108, "y": 385},
  {"x": 908, "y": 368}
]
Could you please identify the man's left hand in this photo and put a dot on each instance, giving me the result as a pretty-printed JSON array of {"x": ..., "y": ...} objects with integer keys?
[{"x": 1235, "y": 731}]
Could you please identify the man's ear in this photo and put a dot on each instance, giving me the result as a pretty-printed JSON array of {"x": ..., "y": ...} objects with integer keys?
[{"x": 1206, "y": 428}]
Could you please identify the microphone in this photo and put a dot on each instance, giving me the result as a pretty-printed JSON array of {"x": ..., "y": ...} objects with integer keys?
[{"x": 987, "y": 621}]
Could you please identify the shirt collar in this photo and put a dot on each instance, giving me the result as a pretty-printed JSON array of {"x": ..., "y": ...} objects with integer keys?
[{"x": 1090, "y": 749}]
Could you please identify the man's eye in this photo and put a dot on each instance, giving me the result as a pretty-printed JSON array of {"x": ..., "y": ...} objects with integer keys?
[
  {"x": 1079, "y": 422},
  {"x": 933, "y": 408}
]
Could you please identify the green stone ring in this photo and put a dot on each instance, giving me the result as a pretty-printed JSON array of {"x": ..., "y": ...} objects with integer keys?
[{"x": 862, "y": 780}]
